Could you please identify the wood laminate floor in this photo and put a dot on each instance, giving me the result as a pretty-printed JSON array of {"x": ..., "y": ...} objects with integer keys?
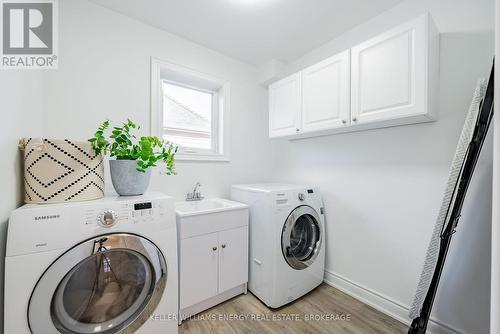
[{"x": 324, "y": 310}]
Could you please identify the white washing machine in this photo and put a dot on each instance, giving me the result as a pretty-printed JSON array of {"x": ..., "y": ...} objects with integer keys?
[
  {"x": 287, "y": 242},
  {"x": 106, "y": 266}
]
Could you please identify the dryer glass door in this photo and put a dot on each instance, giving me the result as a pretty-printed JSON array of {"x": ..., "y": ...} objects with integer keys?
[
  {"x": 112, "y": 287},
  {"x": 301, "y": 237}
]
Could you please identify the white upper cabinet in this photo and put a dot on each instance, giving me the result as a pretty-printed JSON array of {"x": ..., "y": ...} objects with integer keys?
[
  {"x": 285, "y": 99},
  {"x": 390, "y": 74},
  {"x": 389, "y": 80},
  {"x": 325, "y": 94}
]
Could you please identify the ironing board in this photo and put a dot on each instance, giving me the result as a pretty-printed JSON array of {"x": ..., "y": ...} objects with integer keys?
[{"x": 467, "y": 153}]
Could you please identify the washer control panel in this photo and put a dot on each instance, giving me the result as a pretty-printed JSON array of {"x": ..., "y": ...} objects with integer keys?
[
  {"x": 130, "y": 212},
  {"x": 58, "y": 226}
]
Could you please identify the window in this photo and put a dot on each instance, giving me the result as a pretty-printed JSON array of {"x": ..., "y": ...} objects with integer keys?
[
  {"x": 191, "y": 110},
  {"x": 187, "y": 116}
]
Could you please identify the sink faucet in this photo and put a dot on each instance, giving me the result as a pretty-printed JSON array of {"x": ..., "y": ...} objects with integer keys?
[{"x": 196, "y": 194}]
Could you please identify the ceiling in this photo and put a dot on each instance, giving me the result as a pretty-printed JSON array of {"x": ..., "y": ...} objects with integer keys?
[{"x": 254, "y": 31}]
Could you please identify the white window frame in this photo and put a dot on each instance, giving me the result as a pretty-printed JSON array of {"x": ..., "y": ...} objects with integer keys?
[{"x": 165, "y": 71}]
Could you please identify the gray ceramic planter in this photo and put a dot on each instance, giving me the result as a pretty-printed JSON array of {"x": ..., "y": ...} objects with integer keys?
[{"x": 127, "y": 180}]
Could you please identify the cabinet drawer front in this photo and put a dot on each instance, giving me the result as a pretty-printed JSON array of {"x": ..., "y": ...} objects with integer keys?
[
  {"x": 389, "y": 74},
  {"x": 233, "y": 258},
  {"x": 198, "y": 269},
  {"x": 213, "y": 222}
]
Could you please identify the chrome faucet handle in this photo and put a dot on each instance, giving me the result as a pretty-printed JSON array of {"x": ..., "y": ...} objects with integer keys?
[{"x": 195, "y": 195}]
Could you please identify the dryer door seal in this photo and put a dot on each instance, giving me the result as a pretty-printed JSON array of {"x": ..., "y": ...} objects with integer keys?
[
  {"x": 301, "y": 237},
  {"x": 109, "y": 284}
]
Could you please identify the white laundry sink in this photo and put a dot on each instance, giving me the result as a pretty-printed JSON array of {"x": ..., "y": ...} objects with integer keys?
[{"x": 206, "y": 206}]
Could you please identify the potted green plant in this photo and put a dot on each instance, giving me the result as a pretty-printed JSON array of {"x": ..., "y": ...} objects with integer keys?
[{"x": 134, "y": 157}]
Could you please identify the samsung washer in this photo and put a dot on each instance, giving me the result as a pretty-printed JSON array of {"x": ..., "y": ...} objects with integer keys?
[
  {"x": 287, "y": 240},
  {"x": 107, "y": 266}
]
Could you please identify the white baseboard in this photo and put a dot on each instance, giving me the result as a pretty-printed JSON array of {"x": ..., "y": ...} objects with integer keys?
[{"x": 382, "y": 303}]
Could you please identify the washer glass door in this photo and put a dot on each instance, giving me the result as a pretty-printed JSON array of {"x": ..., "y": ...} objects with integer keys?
[
  {"x": 301, "y": 237},
  {"x": 115, "y": 282}
]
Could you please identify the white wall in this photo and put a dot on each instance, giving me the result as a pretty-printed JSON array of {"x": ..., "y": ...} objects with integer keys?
[
  {"x": 104, "y": 72},
  {"x": 21, "y": 110},
  {"x": 451, "y": 16},
  {"x": 382, "y": 188}
]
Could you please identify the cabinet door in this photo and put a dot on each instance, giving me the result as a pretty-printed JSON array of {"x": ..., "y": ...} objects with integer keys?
[
  {"x": 326, "y": 93},
  {"x": 198, "y": 269},
  {"x": 233, "y": 258},
  {"x": 285, "y": 106},
  {"x": 389, "y": 74}
]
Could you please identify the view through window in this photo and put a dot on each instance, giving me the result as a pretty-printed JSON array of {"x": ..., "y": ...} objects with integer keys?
[{"x": 187, "y": 116}]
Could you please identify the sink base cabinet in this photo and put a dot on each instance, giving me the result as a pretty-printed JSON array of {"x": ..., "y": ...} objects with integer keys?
[
  {"x": 198, "y": 269},
  {"x": 213, "y": 267}
]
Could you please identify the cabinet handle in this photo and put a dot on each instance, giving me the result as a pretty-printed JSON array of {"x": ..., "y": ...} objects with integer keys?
[
  {"x": 344, "y": 121},
  {"x": 223, "y": 245},
  {"x": 214, "y": 248},
  {"x": 354, "y": 119},
  {"x": 297, "y": 130}
]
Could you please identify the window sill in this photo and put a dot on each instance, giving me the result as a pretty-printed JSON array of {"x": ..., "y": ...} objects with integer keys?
[{"x": 202, "y": 157}]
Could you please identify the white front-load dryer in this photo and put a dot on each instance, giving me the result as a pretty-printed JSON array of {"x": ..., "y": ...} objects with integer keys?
[
  {"x": 287, "y": 240},
  {"x": 106, "y": 266}
]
